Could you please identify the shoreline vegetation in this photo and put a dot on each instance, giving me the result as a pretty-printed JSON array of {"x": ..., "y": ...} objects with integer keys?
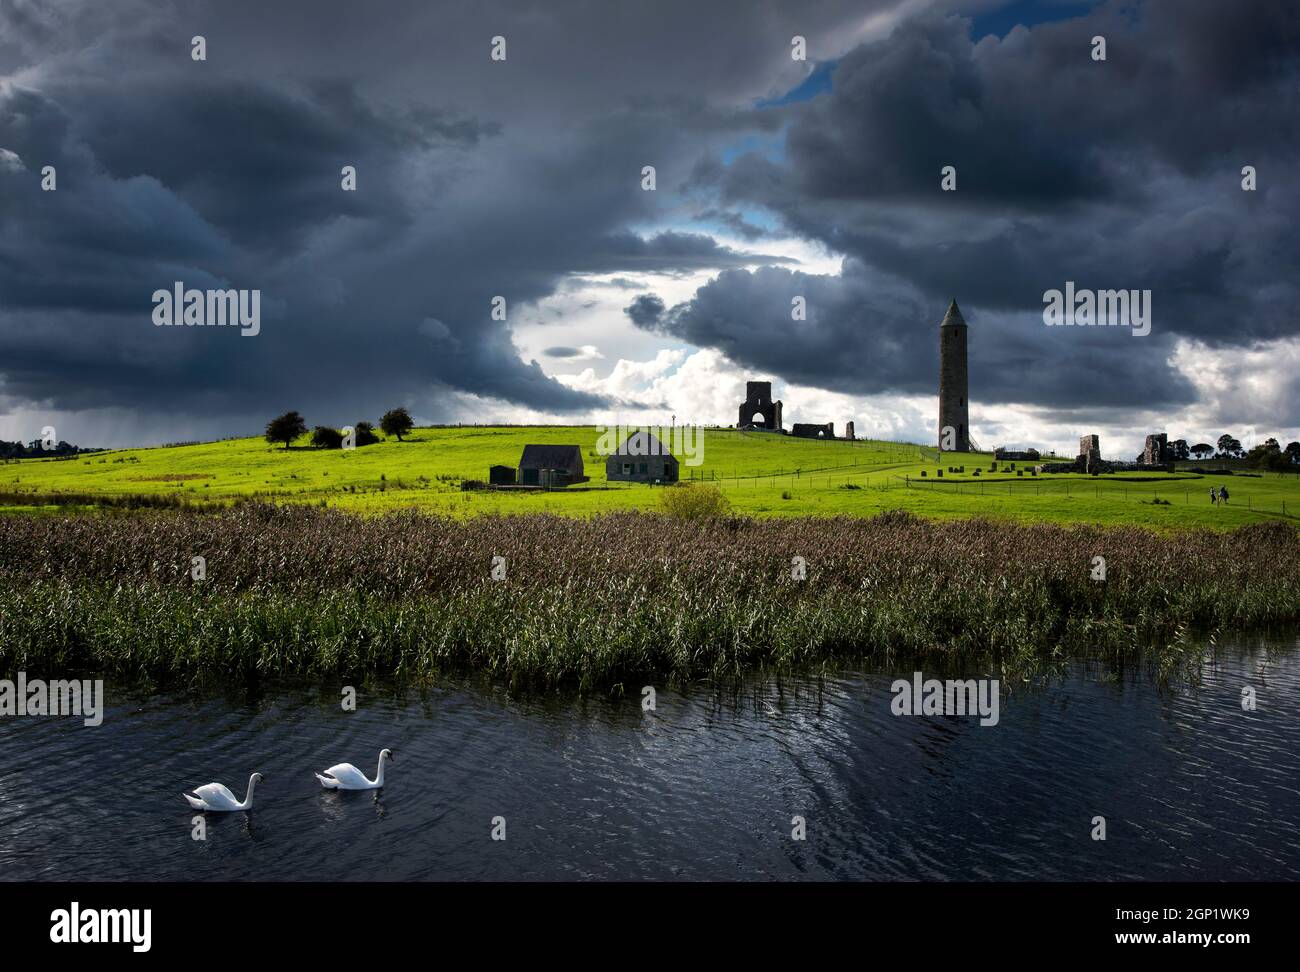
[{"x": 612, "y": 602}]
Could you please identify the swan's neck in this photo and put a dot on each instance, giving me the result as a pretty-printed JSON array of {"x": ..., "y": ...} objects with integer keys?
[
  {"x": 248, "y": 800},
  {"x": 379, "y": 774}
]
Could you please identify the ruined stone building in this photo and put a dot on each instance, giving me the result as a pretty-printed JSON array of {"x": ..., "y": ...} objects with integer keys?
[
  {"x": 1090, "y": 461},
  {"x": 760, "y": 412},
  {"x": 758, "y": 408},
  {"x": 1156, "y": 450},
  {"x": 1090, "y": 452},
  {"x": 953, "y": 391}
]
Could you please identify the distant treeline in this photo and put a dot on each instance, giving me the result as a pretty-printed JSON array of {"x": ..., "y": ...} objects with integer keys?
[{"x": 35, "y": 450}]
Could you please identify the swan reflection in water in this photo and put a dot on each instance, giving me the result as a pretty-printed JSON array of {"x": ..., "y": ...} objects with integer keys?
[
  {"x": 336, "y": 804},
  {"x": 222, "y": 823}
]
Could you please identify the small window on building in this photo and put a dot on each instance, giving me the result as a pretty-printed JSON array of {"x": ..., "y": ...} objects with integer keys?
[{"x": 627, "y": 469}]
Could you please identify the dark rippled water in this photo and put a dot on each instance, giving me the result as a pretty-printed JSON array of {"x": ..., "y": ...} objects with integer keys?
[{"x": 1192, "y": 787}]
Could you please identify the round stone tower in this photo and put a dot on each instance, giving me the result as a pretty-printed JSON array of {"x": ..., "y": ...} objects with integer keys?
[{"x": 953, "y": 393}]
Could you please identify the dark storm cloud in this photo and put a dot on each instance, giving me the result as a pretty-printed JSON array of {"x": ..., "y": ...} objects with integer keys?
[
  {"x": 646, "y": 311},
  {"x": 475, "y": 180},
  {"x": 515, "y": 179},
  {"x": 566, "y": 59},
  {"x": 734, "y": 222},
  {"x": 262, "y": 165},
  {"x": 248, "y": 197},
  {"x": 1031, "y": 120},
  {"x": 1122, "y": 174},
  {"x": 866, "y": 333},
  {"x": 675, "y": 251}
]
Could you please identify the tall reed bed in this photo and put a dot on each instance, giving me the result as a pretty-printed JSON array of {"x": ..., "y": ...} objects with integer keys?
[{"x": 598, "y": 602}]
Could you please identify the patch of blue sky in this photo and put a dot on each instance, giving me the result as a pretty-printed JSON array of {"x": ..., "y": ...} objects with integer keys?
[
  {"x": 816, "y": 84},
  {"x": 772, "y": 145},
  {"x": 1000, "y": 21}
]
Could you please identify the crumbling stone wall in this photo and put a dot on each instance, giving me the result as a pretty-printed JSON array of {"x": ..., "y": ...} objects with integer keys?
[
  {"x": 1026, "y": 455},
  {"x": 1103, "y": 466},
  {"x": 810, "y": 431},
  {"x": 1090, "y": 453},
  {"x": 1156, "y": 450}
]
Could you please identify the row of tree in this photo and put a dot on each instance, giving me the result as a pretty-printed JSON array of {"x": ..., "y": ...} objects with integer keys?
[
  {"x": 1270, "y": 455},
  {"x": 36, "y": 450},
  {"x": 290, "y": 427}
]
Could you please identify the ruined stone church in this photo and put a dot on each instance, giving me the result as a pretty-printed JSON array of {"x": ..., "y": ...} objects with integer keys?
[{"x": 758, "y": 409}]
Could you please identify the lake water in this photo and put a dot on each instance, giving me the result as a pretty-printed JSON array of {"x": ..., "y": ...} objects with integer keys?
[{"x": 1191, "y": 786}]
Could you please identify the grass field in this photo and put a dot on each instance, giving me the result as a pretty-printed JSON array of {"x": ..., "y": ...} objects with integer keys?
[{"x": 761, "y": 474}]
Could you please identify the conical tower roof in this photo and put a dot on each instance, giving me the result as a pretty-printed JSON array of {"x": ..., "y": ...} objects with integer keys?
[{"x": 953, "y": 318}]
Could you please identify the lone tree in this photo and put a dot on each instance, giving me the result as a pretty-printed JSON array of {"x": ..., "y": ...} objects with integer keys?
[
  {"x": 365, "y": 434},
  {"x": 323, "y": 437},
  {"x": 286, "y": 428},
  {"x": 397, "y": 421},
  {"x": 1229, "y": 446},
  {"x": 1202, "y": 449}
]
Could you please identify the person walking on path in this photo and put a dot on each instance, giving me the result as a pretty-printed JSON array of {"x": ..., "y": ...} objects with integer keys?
[
  {"x": 1214, "y": 497},
  {"x": 1223, "y": 495}
]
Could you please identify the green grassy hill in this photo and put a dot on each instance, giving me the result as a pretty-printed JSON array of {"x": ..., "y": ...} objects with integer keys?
[{"x": 762, "y": 474}]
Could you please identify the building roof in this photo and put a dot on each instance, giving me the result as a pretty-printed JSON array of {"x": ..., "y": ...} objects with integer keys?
[
  {"x": 643, "y": 443},
  {"x": 551, "y": 456},
  {"x": 953, "y": 318}
]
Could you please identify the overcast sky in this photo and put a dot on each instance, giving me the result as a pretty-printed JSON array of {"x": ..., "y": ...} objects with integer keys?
[{"x": 776, "y": 178}]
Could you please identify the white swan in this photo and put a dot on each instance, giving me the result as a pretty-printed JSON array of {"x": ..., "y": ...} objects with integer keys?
[
  {"x": 216, "y": 796},
  {"x": 345, "y": 776}
]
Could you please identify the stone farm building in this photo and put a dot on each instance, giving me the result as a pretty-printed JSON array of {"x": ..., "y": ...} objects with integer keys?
[
  {"x": 642, "y": 458},
  {"x": 551, "y": 465}
]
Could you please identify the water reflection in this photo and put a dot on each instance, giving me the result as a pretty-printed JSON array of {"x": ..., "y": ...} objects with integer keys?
[{"x": 708, "y": 785}]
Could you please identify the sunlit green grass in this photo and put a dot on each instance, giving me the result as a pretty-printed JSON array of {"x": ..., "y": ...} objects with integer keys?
[{"x": 761, "y": 474}]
